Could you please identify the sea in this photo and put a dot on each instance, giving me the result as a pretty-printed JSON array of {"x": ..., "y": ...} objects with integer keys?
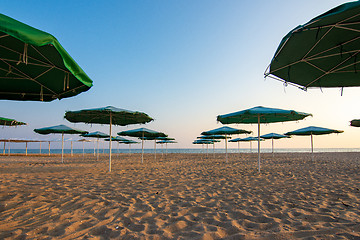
[{"x": 179, "y": 150}]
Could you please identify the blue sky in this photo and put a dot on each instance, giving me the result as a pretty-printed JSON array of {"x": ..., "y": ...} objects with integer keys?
[{"x": 181, "y": 62}]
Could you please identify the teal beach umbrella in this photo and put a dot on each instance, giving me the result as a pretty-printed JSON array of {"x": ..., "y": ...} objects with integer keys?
[
  {"x": 310, "y": 131},
  {"x": 214, "y": 137},
  {"x": 273, "y": 136},
  {"x": 62, "y": 129},
  {"x": 322, "y": 52},
  {"x": 247, "y": 139},
  {"x": 225, "y": 131},
  {"x": 261, "y": 115},
  {"x": 34, "y": 66},
  {"x": 96, "y": 135},
  {"x": 108, "y": 115},
  {"x": 166, "y": 143},
  {"x": 142, "y": 133},
  {"x": 206, "y": 142}
]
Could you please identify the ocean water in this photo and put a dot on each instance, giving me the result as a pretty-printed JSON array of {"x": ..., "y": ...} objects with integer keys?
[{"x": 182, "y": 150}]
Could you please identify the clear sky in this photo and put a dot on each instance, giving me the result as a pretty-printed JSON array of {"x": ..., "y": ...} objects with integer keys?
[{"x": 183, "y": 63}]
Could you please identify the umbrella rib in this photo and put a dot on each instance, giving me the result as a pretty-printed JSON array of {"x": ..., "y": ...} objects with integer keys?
[
  {"x": 28, "y": 77},
  {"x": 318, "y": 42},
  {"x": 30, "y": 57},
  {"x": 51, "y": 63},
  {"x": 343, "y": 44},
  {"x": 328, "y": 72}
]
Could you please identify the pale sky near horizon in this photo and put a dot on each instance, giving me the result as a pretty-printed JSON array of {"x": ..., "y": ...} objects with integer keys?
[{"x": 183, "y": 63}]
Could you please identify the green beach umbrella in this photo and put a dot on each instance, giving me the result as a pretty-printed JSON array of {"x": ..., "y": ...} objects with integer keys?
[
  {"x": 142, "y": 133},
  {"x": 355, "y": 123},
  {"x": 206, "y": 142},
  {"x": 166, "y": 141},
  {"x": 247, "y": 139},
  {"x": 108, "y": 115},
  {"x": 63, "y": 129},
  {"x": 96, "y": 135},
  {"x": 225, "y": 131},
  {"x": 321, "y": 53},
  {"x": 261, "y": 115},
  {"x": 310, "y": 131},
  {"x": 214, "y": 137},
  {"x": 273, "y": 136},
  {"x": 10, "y": 122},
  {"x": 129, "y": 142},
  {"x": 34, "y": 66}
]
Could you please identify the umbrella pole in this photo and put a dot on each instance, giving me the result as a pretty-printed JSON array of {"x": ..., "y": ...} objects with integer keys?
[
  {"x": 226, "y": 156},
  {"x": 239, "y": 147},
  {"x": 26, "y": 148},
  {"x": 4, "y": 149},
  {"x": 83, "y": 151},
  {"x": 62, "y": 147},
  {"x": 71, "y": 148},
  {"x": 97, "y": 156},
  {"x": 94, "y": 149},
  {"x": 9, "y": 148},
  {"x": 272, "y": 147},
  {"x": 312, "y": 146},
  {"x": 142, "y": 148},
  {"x": 110, "y": 143},
  {"x": 49, "y": 148},
  {"x": 155, "y": 148},
  {"x": 129, "y": 148},
  {"x": 207, "y": 150},
  {"x": 40, "y": 149},
  {"x": 259, "y": 141},
  {"x": 214, "y": 149},
  {"x": 166, "y": 148}
]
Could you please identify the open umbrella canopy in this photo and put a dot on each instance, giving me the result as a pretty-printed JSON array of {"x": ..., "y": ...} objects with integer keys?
[
  {"x": 34, "y": 66},
  {"x": 165, "y": 141},
  {"x": 117, "y": 138},
  {"x": 313, "y": 131},
  {"x": 142, "y": 132},
  {"x": 10, "y": 122},
  {"x": 323, "y": 52},
  {"x": 225, "y": 131},
  {"x": 102, "y": 115},
  {"x": 262, "y": 115},
  {"x": 165, "y": 138},
  {"x": 247, "y": 139},
  {"x": 310, "y": 131},
  {"x": 129, "y": 142},
  {"x": 213, "y": 137},
  {"x": 204, "y": 141},
  {"x": 96, "y": 134},
  {"x": 59, "y": 129},
  {"x": 273, "y": 136},
  {"x": 355, "y": 123}
]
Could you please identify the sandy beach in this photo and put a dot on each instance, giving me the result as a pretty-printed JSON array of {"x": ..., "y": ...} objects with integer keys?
[{"x": 181, "y": 196}]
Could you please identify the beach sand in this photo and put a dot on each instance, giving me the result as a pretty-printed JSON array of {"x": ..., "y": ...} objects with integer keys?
[{"x": 181, "y": 196}]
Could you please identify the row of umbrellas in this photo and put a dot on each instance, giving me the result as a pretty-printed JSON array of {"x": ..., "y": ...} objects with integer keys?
[
  {"x": 261, "y": 115},
  {"x": 112, "y": 116}
]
